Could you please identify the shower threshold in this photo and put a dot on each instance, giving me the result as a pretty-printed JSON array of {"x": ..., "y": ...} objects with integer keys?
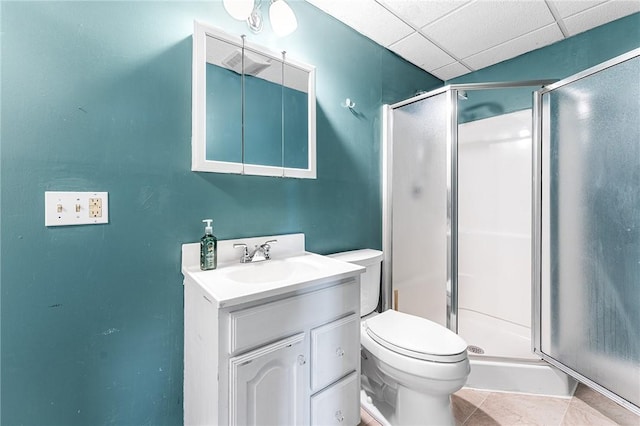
[{"x": 532, "y": 377}]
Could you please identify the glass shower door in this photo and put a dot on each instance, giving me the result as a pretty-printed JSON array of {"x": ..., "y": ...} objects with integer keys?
[
  {"x": 587, "y": 298},
  {"x": 420, "y": 207}
]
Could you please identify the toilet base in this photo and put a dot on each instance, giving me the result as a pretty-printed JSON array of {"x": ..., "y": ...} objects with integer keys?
[
  {"x": 374, "y": 410},
  {"x": 402, "y": 406},
  {"x": 415, "y": 408}
]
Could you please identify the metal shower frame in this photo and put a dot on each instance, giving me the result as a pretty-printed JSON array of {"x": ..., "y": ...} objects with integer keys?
[{"x": 453, "y": 91}]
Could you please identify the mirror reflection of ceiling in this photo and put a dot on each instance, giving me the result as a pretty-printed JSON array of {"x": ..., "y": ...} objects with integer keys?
[
  {"x": 450, "y": 38},
  {"x": 228, "y": 55}
]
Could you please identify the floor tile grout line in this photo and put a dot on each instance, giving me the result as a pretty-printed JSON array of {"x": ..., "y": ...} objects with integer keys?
[
  {"x": 566, "y": 410},
  {"x": 469, "y": 416},
  {"x": 477, "y": 407},
  {"x": 467, "y": 419}
]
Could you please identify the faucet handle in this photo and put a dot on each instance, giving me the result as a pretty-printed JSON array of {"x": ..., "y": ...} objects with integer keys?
[
  {"x": 245, "y": 253},
  {"x": 266, "y": 246}
]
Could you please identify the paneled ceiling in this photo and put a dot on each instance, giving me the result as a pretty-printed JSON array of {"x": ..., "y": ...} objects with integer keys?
[{"x": 449, "y": 38}]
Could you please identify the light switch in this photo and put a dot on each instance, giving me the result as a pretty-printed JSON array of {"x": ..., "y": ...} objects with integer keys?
[{"x": 75, "y": 208}]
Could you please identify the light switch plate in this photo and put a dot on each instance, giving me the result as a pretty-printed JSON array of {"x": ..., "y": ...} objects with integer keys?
[{"x": 75, "y": 208}]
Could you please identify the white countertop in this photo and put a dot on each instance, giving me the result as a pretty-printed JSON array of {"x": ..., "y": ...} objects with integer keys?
[{"x": 303, "y": 270}]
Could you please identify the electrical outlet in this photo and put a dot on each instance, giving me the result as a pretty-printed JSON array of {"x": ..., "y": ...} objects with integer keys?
[
  {"x": 76, "y": 208},
  {"x": 95, "y": 207}
]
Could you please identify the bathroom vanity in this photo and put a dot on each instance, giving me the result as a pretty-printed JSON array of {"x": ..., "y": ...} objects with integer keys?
[{"x": 274, "y": 342}]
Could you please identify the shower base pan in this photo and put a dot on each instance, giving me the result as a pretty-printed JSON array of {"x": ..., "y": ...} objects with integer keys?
[{"x": 537, "y": 378}]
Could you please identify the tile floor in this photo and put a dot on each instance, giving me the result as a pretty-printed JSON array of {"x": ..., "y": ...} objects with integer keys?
[{"x": 484, "y": 408}]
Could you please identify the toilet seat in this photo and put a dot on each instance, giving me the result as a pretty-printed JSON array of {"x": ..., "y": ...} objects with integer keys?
[{"x": 416, "y": 337}]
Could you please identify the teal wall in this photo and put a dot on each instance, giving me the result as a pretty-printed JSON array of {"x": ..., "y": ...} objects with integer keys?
[
  {"x": 557, "y": 61},
  {"x": 224, "y": 114},
  {"x": 265, "y": 131},
  {"x": 96, "y": 96}
]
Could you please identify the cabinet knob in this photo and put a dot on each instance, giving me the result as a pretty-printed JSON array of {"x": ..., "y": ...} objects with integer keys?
[
  {"x": 301, "y": 360},
  {"x": 340, "y": 352},
  {"x": 339, "y": 416}
]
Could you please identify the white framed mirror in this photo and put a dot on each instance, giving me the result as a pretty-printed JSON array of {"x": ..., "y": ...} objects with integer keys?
[{"x": 254, "y": 110}]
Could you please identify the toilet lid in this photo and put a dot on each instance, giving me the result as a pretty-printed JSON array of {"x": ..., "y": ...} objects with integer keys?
[{"x": 416, "y": 337}]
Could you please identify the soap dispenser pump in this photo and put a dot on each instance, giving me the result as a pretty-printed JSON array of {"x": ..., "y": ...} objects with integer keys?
[{"x": 208, "y": 248}]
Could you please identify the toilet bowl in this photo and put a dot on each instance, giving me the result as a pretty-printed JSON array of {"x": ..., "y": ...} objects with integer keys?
[
  {"x": 413, "y": 366},
  {"x": 410, "y": 365}
]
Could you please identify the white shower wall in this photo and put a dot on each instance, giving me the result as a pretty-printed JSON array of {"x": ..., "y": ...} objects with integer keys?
[{"x": 494, "y": 225}]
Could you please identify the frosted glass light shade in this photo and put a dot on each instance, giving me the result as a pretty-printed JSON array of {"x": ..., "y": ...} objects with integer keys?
[
  {"x": 283, "y": 20},
  {"x": 238, "y": 9}
]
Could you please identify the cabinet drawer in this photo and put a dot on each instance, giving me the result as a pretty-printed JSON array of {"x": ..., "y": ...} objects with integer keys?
[
  {"x": 337, "y": 405},
  {"x": 266, "y": 323},
  {"x": 335, "y": 351}
]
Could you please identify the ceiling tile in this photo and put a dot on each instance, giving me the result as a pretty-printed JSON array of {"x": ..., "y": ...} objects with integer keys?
[
  {"x": 512, "y": 48},
  {"x": 478, "y": 32},
  {"x": 450, "y": 71},
  {"x": 600, "y": 15},
  {"x": 420, "y": 12},
  {"x": 368, "y": 18},
  {"x": 571, "y": 7},
  {"x": 483, "y": 24},
  {"x": 420, "y": 51}
]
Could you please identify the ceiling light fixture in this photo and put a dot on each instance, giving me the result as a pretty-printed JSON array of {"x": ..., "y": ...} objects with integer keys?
[
  {"x": 254, "y": 21},
  {"x": 238, "y": 9},
  {"x": 283, "y": 20}
]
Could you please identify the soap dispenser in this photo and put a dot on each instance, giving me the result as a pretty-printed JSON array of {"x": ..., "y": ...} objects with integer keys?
[{"x": 208, "y": 248}]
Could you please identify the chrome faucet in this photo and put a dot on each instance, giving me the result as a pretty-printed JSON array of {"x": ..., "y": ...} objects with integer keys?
[{"x": 259, "y": 253}]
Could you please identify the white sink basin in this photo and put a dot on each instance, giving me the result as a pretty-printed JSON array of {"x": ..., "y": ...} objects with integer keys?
[
  {"x": 271, "y": 270},
  {"x": 291, "y": 268}
]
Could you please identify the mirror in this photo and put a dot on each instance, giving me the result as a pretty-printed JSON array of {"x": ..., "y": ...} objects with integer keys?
[
  {"x": 253, "y": 109},
  {"x": 263, "y": 90}
]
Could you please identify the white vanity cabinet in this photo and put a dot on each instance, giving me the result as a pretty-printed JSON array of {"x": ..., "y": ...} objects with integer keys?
[{"x": 291, "y": 357}]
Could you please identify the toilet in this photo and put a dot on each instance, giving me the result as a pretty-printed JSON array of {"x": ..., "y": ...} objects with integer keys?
[{"x": 410, "y": 365}]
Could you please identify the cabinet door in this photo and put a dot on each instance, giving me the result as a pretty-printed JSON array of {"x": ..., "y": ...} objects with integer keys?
[{"x": 267, "y": 385}]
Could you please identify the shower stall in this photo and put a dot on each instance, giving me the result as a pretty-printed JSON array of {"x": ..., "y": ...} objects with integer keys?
[
  {"x": 458, "y": 234},
  {"x": 462, "y": 226}
]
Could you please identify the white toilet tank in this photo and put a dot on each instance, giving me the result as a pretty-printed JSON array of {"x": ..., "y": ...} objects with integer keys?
[{"x": 369, "y": 280}]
